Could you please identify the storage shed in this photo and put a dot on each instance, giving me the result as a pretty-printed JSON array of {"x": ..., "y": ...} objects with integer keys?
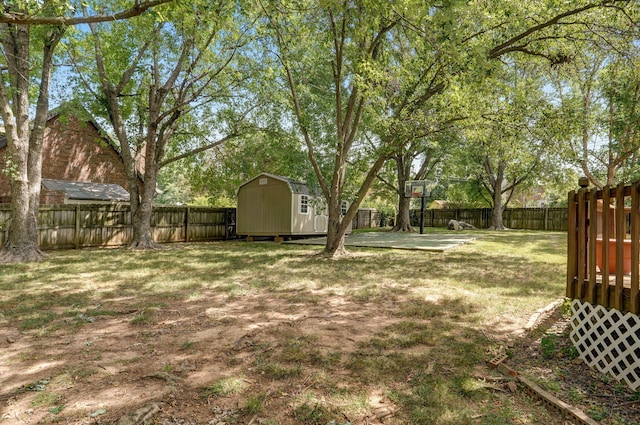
[{"x": 270, "y": 205}]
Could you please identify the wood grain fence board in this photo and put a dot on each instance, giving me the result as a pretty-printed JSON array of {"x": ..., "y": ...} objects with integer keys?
[
  {"x": 187, "y": 217},
  {"x": 76, "y": 235},
  {"x": 525, "y": 218},
  {"x": 557, "y": 219},
  {"x": 606, "y": 235},
  {"x": 572, "y": 246},
  {"x": 99, "y": 225},
  {"x": 471, "y": 216},
  {"x": 200, "y": 232},
  {"x": 635, "y": 249},
  {"x": 167, "y": 234},
  {"x": 582, "y": 240},
  {"x": 95, "y": 225},
  {"x": 620, "y": 233},
  {"x": 514, "y": 218},
  {"x": 591, "y": 249}
]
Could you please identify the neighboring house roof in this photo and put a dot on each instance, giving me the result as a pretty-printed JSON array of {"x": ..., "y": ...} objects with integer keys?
[
  {"x": 65, "y": 109},
  {"x": 88, "y": 191},
  {"x": 296, "y": 187},
  {"x": 84, "y": 115}
]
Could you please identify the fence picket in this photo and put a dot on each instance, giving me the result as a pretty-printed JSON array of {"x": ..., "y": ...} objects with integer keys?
[
  {"x": 620, "y": 234},
  {"x": 591, "y": 249},
  {"x": 572, "y": 247},
  {"x": 635, "y": 249},
  {"x": 582, "y": 240}
]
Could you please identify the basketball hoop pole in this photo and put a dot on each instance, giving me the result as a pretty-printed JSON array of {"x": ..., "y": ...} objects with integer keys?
[
  {"x": 418, "y": 189},
  {"x": 422, "y": 214}
]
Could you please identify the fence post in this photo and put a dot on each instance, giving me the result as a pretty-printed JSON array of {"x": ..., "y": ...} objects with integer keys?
[
  {"x": 572, "y": 246},
  {"x": 186, "y": 224},
  {"x": 546, "y": 218},
  {"x": 76, "y": 236},
  {"x": 634, "y": 306}
]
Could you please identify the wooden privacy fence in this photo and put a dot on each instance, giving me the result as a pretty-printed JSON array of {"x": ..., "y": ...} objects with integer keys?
[
  {"x": 90, "y": 225},
  {"x": 368, "y": 218},
  {"x": 514, "y": 218},
  {"x": 603, "y": 247}
]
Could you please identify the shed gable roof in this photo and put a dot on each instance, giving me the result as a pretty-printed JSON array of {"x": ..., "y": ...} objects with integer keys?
[
  {"x": 296, "y": 187},
  {"x": 88, "y": 191}
]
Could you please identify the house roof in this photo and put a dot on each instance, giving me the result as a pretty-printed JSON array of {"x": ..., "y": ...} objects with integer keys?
[
  {"x": 88, "y": 191},
  {"x": 296, "y": 187},
  {"x": 65, "y": 108},
  {"x": 83, "y": 114}
]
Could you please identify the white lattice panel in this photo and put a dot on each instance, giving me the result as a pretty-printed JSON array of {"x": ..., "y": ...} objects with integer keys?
[{"x": 607, "y": 340}]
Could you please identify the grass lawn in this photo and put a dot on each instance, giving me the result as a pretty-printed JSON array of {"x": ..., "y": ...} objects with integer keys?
[{"x": 264, "y": 333}]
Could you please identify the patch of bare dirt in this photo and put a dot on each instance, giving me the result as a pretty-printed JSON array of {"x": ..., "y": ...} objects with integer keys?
[
  {"x": 101, "y": 370},
  {"x": 154, "y": 366}
]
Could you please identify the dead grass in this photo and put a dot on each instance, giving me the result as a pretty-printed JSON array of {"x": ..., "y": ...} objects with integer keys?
[{"x": 272, "y": 333}]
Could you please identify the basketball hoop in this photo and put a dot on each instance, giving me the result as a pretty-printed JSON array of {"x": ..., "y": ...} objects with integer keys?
[{"x": 417, "y": 189}]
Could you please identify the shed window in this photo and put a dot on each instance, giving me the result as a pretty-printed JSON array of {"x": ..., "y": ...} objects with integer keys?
[
  {"x": 304, "y": 204},
  {"x": 343, "y": 208}
]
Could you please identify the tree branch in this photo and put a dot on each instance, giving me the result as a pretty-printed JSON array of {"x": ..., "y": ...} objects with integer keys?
[
  {"x": 297, "y": 107},
  {"x": 198, "y": 150},
  {"x": 19, "y": 18},
  {"x": 504, "y": 47}
]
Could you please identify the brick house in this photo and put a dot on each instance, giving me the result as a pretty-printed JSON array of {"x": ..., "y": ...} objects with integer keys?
[{"x": 74, "y": 151}]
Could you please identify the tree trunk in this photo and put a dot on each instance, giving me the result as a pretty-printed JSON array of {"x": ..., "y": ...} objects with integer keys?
[
  {"x": 403, "y": 171},
  {"x": 335, "y": 240},
  {"x": 22, "y": 241},
  {"x": 142, "y": 237},
  {"x": 24, "y": 144},
  {"x": 496, "y": 214},
  {"x": 498, "y": 206},
  {"x": 336, "y": 230},
  {"x": 403, "y": 218},
  {"x": 339, "y": 224}
]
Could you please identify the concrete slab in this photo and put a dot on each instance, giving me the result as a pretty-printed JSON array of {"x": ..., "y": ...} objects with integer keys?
[{"x": 434, "y": 242}]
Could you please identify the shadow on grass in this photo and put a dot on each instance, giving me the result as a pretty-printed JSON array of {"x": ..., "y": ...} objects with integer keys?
[
  {"x": 524, "y": 265},
  {"x": 417, "y": 334}
]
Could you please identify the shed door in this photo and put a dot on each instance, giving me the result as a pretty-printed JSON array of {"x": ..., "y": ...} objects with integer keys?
[{"x": 265, "y": 210}]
